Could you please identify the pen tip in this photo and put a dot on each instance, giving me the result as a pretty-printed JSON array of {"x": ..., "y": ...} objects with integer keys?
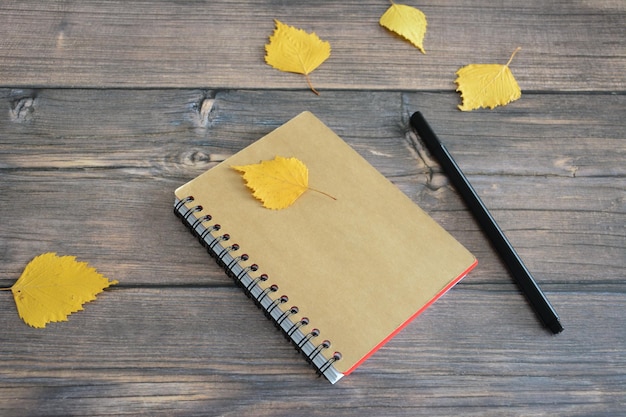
[{"x": 555, "y": 326}]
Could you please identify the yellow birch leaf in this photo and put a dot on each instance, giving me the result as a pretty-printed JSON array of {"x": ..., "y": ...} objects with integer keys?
[
  {"x": 487, "y": 85},
  {"x": 53, "y": 287},
  {"x": 406, "y": 21},
  {"x": 278, "y": 182},
  {"x": 293, "y": 50}
]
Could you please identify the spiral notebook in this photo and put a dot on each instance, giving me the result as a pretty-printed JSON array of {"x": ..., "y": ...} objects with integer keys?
[{"x": 339, "y": 278}]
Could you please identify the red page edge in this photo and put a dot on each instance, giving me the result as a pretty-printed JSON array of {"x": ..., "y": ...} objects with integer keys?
[{"x": 410, "y": 319}]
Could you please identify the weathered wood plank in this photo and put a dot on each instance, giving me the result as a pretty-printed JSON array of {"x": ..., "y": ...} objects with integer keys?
[
  {"x": 83, "y": 170},
  {"x": 574, "y": 46},
  {"x": 126, "y": 227},
  {"x": 175, "y": 131},
  {"x": 190, "y": 351}
]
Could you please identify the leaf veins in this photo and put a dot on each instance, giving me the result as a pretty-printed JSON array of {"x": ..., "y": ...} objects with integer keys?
[
  {"x": 293, "y": 50},
  {"x": 279, "y": 182}
]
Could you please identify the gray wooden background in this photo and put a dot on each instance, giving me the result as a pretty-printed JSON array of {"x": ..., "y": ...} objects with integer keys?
[{"x": 107, "y": 107}]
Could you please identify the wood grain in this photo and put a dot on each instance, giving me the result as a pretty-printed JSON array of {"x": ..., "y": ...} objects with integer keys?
[
  {"x": 119, "y": 357},
  {"x": 91, "y": 172},
  {"x": 107, "y": 107},
  {"x": 111, "y": 160},
  {"x": 566, "y": 45}
]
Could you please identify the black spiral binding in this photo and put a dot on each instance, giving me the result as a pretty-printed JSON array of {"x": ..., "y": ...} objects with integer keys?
[{"x": 225, "y": 256}]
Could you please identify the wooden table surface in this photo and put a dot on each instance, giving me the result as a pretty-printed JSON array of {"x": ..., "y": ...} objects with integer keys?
[{"x": 107, "y": 107}]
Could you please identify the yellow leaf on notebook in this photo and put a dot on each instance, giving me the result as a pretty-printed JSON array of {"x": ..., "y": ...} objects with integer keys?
[
  {"x": 406, "y": 21},
  {"x": 487, "y": 85},
  {"x": 293, "y": 50},
  {"x": 53, "y": 287},
  {"x": 277, "y": 183}
]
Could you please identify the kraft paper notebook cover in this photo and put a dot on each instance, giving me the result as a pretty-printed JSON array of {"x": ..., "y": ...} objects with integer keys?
[{"x": 338, "y": 277}]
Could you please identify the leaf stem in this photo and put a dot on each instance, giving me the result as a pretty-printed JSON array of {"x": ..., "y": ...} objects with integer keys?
[
  {"x": 5, "y": 289},
  {"x": 519, "y": 48},
  {"x": 308, "y": 81},
  {"x": 322, "y": 192}
]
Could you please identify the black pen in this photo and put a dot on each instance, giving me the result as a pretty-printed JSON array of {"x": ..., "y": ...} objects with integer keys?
[{"x": 512, "y": 260}]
